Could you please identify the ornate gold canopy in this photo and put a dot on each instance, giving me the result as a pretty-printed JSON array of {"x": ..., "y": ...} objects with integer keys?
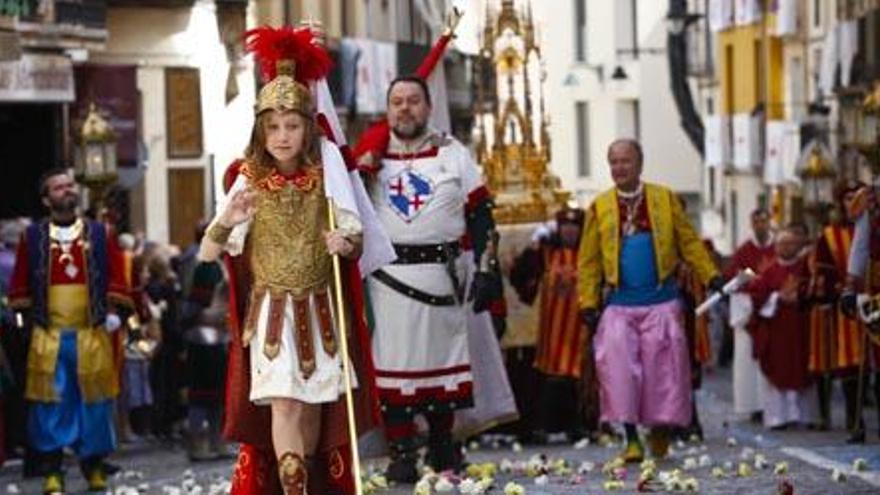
[{"x": 515, "y": 154}]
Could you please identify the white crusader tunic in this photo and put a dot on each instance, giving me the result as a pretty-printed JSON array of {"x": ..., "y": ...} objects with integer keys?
[{"x": 420, "y": 348}]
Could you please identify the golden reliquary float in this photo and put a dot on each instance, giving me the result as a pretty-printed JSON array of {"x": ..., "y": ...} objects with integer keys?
[
  {"x": 513, "y": 144},
  {"x": 513, "y": 147}
]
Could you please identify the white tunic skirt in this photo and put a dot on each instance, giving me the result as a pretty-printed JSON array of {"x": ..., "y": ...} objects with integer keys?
[
  {"x": 281, "y": 376},
  {"x": 420, "y": 350}
]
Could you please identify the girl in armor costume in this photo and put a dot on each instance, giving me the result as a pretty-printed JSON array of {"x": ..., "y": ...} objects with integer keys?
[{"x": 276, "y": 217}]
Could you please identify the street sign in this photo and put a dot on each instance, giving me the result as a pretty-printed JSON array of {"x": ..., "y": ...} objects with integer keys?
[{"x": 37, "y": 78}]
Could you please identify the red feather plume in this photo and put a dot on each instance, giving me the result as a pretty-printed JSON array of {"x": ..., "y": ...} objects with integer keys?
[{"x": 269, "y": 45}]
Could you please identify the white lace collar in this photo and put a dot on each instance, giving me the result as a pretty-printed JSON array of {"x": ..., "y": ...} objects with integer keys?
[{"x": 634, "y": 194}]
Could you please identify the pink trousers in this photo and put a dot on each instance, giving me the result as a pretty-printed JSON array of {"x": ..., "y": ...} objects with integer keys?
[{"x": 643, "y": 365}]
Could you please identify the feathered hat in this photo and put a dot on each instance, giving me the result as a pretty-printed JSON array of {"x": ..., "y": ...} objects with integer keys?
[{"x": 289, "y": 59}]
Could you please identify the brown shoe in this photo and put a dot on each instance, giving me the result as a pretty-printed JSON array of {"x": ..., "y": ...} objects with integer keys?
[
  {"x": 634, "y": 453},
  {"x": 293, "y": 474},
  {"x": 658, "y": 442},
  {"x": 199, "y": 448}
]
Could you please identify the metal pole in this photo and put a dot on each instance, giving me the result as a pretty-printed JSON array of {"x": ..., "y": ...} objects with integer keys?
[
  {"x": 212, "y": 206},
  {"x": 858, "y": 426},
  {"x": 346, "y": 362}
]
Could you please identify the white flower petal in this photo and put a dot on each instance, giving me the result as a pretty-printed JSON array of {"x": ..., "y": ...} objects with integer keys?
[
  {"x": 582, "y": 443},
  {"x": 860, "y": 464}
]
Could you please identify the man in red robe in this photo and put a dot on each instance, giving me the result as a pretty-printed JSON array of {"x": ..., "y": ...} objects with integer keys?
[
  {"x": 781, "y": 336},
  {"x": 758, "y": 251}
]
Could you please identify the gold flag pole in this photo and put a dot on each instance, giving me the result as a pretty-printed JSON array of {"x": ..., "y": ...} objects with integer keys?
[{"x": 346, "y": 362}]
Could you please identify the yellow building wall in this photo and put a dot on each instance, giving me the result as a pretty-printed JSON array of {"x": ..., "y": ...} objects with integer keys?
[{"x": 742, "y": 52}]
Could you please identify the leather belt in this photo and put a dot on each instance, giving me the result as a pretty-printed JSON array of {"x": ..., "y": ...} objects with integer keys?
[
  {"x": 410, "y": 254},
  {"x": 412, "y": 292}
]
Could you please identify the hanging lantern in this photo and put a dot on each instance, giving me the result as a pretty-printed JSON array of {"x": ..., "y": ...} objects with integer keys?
[
  {"x": 869, "y": 131},
  {"x": 817, "y": 174},
  {"x": 95, "y": 154}
]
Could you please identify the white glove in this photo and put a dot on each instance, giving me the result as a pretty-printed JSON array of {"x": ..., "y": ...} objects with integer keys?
[
  {"x": 156, "y": 310},
  {"x": 768, "y": 310},
  {"x": 112, "y": 323}
]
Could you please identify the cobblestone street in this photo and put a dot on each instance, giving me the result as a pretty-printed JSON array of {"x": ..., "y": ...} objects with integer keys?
[{"x": 811, "y": 457}]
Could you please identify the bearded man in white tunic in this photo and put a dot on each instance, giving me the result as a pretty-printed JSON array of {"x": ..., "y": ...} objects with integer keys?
[{"x": 429, "y": 196}]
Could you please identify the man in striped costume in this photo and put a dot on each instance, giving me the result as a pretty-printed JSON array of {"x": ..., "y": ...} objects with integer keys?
[
  {"x": 835, "y": 341},
  {"x": 863, "y": 275},
  {"x": 562, "y": 336}
]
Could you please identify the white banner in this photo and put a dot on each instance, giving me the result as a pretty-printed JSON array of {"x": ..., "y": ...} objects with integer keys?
[
  {"x": 782, "y": 151},
  {"x": 791, "y": 151},
  {"x": 747, "y": 12},
  {"x": 440, "y": 118},
  {"x": 829, "y": 62},
  {"x": 37, "y": 78},
  {"x": 788, "y": 17},
  {"x": 849, "y": 45},
  {"x": 746, "y": 141},
  {"x": 717, "y": 140},
  {"x": 376, "y": 68},
  {"x": 720, "y": 14},
  {"x": 773, "y": 155}
]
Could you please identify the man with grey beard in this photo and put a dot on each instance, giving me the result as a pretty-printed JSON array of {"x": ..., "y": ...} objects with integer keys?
[{"x": 69, "y": 281}]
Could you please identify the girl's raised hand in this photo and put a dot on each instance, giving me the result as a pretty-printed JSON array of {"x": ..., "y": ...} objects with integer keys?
[{"x": 241, "y": 208}]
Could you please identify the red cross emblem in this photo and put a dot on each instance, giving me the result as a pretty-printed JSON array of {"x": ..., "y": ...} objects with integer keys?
[{"x": 409, "y": 193}]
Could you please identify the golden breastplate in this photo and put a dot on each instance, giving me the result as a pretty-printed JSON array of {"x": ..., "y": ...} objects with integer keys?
[{"x": 287, "y": 244}]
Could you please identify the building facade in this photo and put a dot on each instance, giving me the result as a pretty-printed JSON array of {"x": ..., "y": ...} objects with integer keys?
[
  {"x": 607, "y": 76},
  {"x": 39, "y": 44},
  {"x": 172, "y": 79},
  {"x": 782, "y": 106},
  {"x": 195, "y": 94}
]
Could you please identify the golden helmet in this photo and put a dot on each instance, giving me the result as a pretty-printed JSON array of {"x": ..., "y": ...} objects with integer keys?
[{"x": 289, "y": 59}]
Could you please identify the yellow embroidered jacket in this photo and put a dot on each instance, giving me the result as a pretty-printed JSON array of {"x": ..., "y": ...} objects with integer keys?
[{"x": 673, "y": 236}]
